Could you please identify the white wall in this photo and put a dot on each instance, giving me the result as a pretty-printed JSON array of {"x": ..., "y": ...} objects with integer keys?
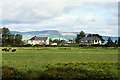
[
  {"x": 47, "y": 41},
  {"x": 33, "y": 42},
  {"x": 97, "y": 42}
]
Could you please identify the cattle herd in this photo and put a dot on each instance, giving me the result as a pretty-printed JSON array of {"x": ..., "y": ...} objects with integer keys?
[{"x": 9, "y": 49}]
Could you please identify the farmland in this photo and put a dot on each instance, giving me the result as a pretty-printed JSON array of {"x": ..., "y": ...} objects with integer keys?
[{"x": 44, "y": 58}]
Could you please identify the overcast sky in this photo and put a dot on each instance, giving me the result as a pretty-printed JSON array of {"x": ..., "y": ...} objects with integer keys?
[{"x": 91, "y": 17}]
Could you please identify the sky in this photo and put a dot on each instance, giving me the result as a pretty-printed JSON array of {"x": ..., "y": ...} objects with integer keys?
[{"x": 90, "y": 17}]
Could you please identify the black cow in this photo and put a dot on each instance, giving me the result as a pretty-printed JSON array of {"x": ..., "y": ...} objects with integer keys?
[
  {"x": 14, "y": 50},
  {"x": 3, "y": 49}
]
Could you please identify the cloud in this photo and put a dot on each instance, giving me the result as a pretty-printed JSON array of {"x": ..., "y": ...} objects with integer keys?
[
  {"x": 91, "y": 17},
  {"x": 29, "y": 12}
]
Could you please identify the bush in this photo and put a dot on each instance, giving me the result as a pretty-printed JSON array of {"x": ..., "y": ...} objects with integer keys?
[
  {"x": 11, "y": 73},
  {"x": 62, "y": 71}
]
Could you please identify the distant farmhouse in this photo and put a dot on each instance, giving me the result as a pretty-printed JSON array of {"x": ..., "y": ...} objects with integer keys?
[
  {"x": 39, "y": 40},
  {"x": 90, "y": 40}
]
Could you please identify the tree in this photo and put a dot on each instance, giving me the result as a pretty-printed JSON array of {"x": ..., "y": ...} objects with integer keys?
[
  {"x": 55, "y": 41},
  {"x": 18, "y": 39},
  {"x": 96, "y": 35},
  {"x": 115, "y": 42},
  {"x": 79, "y": 36},
  {"x": 50, "y": 40},
  {"x": 11, "y": 39},
  {"x": 109, "y": 42},
  {"x": 119, "y": 41},
  {"x": 5, "y": 33}
]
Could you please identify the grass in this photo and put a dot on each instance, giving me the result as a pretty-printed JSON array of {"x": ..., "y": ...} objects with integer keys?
[{"x": 44, "y": 58}]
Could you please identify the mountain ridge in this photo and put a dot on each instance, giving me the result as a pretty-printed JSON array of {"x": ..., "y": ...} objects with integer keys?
[{"x": 54, "y": 34}]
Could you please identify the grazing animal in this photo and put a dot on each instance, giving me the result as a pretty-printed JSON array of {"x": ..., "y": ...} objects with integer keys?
[
  {"x": 14, "y": 50},
  {"x": 3, "y": 49},
  {"x": 6, "y": 50}
]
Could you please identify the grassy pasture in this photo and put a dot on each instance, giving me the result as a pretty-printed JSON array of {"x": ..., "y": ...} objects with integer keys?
[
  {"x": 35, "y": 56},
  {"x": 61, "y": 60}
]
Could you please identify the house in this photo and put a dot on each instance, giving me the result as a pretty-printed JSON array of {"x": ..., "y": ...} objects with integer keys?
[
  {"x": 54, "y": 44},
  {"x": 90, "y": 40},
  {"x": 39, "y": 40}
]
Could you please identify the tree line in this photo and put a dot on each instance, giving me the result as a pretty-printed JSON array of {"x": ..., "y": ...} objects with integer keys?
[
  {"x": 109, "y": 43},
  {"x": 9, "y": 39}
]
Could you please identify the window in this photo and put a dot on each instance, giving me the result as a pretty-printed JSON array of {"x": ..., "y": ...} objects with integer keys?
[{"x": 95, "y": 40}]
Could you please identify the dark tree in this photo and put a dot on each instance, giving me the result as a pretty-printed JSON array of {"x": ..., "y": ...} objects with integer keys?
[
  {"x": 50, "y": 40},
  {"x": 18, "y": 39},
  {"x": 5, "y": 33},
  {"x": 79, "y": 36},
  {"x": 56, "y": 41},
  {"x": 109, "y": 42},
  {"x": 119, "y": 41},
  {"x": 115, "y": 42},
  {"x": 11, "y": 39},
  {"x": 96, "y": 35}
]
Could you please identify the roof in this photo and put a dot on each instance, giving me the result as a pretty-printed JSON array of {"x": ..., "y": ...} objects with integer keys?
[
  {"x": 90, "y": 38},
  {"x": 39, "y": 38}
]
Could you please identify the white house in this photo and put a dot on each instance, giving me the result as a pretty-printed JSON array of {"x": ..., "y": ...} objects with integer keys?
[
  {"x": 54, "y": 44},
  {"x": 39, "y": 40},
  {"x": 90, "y": 40}
]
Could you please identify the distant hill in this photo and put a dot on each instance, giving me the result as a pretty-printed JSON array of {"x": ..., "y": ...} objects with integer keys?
[{"x": 54, "y": 34}]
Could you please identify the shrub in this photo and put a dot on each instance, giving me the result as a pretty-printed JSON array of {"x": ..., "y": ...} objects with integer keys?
[
  {"x": 63, "y": 71},
  {"x": 11, "y": 73}
]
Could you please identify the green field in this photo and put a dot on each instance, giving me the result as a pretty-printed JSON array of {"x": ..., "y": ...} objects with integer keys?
[{"x": 37, "y": 58}]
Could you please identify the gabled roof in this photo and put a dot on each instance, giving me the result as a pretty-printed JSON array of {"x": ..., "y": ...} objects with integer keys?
[
  {"x": 90, "y": 38},
  {"x": 39, "y": 38}
]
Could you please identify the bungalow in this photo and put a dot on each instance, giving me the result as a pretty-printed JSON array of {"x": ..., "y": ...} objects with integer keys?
[
  {"x": 90, "y": 40},
  {"x": 39, "y": 40}
]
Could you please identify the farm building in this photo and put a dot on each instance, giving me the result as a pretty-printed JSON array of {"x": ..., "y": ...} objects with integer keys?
[
  {"x": 39, "y": 40},
  {"x": 90, "y": 40}
]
